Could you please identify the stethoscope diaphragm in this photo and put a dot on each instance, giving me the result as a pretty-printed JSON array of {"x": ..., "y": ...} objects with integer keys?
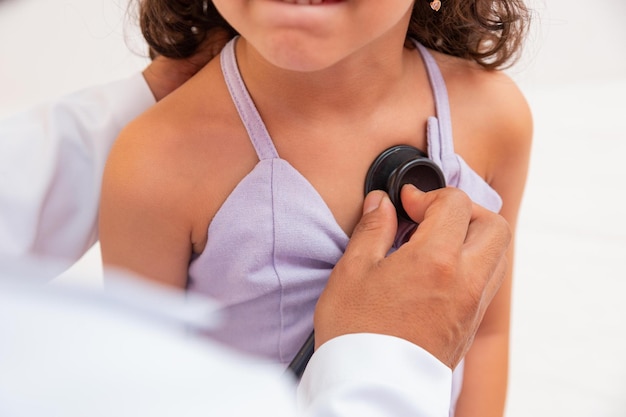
[{"x": 400, "y": 165}]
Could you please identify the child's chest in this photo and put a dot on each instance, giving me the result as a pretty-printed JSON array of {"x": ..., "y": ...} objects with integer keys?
[{"x": 333, "y": 164}]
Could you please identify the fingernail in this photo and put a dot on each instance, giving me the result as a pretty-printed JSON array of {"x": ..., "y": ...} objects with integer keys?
[
  {"x": 411, "y": 187},
  {"x": 372, "y": 201}
]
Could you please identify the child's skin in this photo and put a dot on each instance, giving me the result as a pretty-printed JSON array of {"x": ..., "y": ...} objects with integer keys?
[{"x": 335, "y": 85}]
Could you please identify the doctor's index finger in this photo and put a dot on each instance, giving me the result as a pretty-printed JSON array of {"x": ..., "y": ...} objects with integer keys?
[
  {"x": 443, "y": 215},
  {"x": 488, "y": 236}
]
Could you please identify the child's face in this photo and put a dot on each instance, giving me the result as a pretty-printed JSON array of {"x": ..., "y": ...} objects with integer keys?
[{"x": 309, "y": 37}]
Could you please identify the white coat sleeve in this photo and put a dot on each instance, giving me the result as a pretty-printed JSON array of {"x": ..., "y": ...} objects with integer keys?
[
  {"x": 51, "y": 163},
  {"x": 73, "y": 352},
  {"x": 371, "y": 375}
]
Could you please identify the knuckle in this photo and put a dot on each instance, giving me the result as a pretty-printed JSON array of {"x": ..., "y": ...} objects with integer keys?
[
  {"x": 456, "y": 201},
  {"x": 444, "y": 265},
  {"x": 502, "y": 228},
  {"x": 456, "y": 196},
  {"x": 507, "y": 232}
]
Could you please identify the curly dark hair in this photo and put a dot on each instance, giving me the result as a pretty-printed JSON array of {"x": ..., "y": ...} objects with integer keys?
[{"x": 489, "y": 32}]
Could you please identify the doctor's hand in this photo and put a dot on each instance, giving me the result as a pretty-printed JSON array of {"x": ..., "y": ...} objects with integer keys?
[
  {"x": 165, "y": 75},
  {"x": 434, "y": 290}
]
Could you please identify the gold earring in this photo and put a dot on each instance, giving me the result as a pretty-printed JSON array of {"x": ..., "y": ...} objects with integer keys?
[{"x": 435, "y": 5}]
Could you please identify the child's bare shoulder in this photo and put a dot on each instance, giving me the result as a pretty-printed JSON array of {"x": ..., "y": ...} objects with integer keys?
[
  {"x": 488, "y": 97},
  {"x": 190, "y": 145},
  {"x": 172, "y": 143},
  {"x": 469, "y": 83},
  {"x": 491, "y": 118}
]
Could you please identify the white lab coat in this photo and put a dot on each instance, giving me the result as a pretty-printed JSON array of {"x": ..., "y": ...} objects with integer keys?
[
  {"x": 71, "y": 353},
  {"x": 51, "y": 164}
]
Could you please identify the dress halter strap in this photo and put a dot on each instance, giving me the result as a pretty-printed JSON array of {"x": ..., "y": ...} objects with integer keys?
[
  {"x": 248, "y": 113},
  {"x": 262, "y": 141},
  {"x": 441, "y": 127}
]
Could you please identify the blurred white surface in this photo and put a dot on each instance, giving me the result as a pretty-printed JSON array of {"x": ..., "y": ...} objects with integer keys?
[
  {"x": 106, "y": 355},
  {"x": 569, "y": 319},
  {"x": 569, "y": 316}
]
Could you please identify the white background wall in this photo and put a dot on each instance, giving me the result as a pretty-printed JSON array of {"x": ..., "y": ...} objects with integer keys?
[
  {"x": 569, "y": 313},
  {"x": 574, "y": 41},
  {"x": 49, "y": 47}
]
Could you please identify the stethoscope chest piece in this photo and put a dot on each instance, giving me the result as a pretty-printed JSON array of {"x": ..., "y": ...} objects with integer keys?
[{"x": 400, "y": 165}]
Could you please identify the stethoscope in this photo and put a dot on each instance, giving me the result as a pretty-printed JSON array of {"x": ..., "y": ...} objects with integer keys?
[{"x": 390, "y": 171}]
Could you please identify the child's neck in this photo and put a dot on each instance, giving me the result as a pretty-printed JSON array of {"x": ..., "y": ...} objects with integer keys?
[{"x": 356, "y": 84}]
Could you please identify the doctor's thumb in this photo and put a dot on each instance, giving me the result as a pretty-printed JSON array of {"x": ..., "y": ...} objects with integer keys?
[{"x": 373, "y": 236}]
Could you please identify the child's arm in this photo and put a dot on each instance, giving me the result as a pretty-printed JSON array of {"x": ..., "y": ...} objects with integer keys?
[
  {"x": 144, "y": 220},
  {"x": 486, "y": 364}
]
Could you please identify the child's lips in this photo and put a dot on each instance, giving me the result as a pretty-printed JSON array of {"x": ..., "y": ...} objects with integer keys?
[
  {"x": 311, "y": 2},
  {"x": 304, "y": 1}
]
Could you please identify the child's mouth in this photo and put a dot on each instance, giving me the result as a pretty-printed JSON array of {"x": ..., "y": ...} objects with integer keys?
[{"x": 311, "y": 2}]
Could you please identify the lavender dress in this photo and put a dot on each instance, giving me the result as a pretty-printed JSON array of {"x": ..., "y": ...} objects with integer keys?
[{"x": 273, "y": 243}]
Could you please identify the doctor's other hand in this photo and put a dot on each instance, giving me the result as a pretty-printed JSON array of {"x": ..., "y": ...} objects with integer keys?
[
  {"x": 165, "y": 74},
  {"x": 434, "y": 290}
]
